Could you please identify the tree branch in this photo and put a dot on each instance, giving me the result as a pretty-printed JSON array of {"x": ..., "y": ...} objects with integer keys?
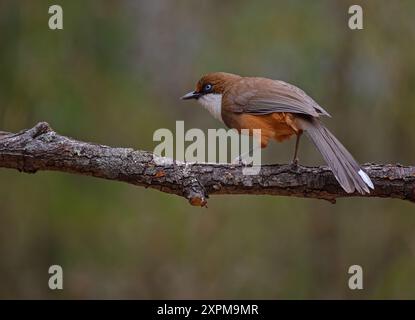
[{"x": 40, "y": 148}]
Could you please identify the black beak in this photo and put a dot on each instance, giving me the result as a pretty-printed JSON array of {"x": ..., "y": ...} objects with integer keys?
[{"x": 191, "y": 95}]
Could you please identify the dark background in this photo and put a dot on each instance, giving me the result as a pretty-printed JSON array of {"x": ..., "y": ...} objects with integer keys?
[{"x": 113, "y": 75}]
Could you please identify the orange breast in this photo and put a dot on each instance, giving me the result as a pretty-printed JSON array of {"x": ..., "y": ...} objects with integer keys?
[{"x": 279, "y": 126}]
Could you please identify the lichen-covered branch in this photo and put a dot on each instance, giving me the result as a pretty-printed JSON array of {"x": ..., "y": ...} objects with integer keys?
[{"x": 41, "y": 148}]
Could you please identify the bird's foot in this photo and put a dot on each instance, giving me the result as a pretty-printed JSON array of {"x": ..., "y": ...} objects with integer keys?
[
  {"x": 294, "y": 163},
  {"x": 239, "y": 161}
]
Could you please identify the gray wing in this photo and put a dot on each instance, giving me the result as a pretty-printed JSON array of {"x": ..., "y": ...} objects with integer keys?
[{"x": 266, "y": 96}]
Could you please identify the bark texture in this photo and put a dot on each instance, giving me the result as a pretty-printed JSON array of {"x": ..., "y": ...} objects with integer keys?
[{"x": 41, "y": 148}]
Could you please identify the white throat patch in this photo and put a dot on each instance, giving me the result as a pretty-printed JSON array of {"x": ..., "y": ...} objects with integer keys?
[{"x": 213, "y": 103}]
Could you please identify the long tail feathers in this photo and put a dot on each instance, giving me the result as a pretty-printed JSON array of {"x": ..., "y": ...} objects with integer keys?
[{"x": 345, "y": 168}]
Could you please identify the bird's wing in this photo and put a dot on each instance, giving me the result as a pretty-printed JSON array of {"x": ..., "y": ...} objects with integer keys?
[{"x": 264, "y": 96}]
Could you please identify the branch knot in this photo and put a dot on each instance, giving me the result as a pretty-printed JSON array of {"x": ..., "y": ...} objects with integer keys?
[{"x": 39, "y": 129}]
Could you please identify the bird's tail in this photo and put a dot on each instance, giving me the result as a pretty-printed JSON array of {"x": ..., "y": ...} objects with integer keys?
[{"x": 345, "y": 168}]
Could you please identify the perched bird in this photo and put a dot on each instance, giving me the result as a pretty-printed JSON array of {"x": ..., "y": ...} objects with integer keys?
[{"x": 280, "y": 110}]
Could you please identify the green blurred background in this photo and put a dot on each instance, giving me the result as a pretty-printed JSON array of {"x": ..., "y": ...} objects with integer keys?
[{"x": 113, "y": 75}]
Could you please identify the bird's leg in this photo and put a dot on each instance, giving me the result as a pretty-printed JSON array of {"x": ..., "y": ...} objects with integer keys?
[{"x": 297, "y": 143}]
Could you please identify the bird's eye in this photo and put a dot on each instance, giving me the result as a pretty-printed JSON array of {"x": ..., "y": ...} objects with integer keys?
[{"x": 207, "y": 87}]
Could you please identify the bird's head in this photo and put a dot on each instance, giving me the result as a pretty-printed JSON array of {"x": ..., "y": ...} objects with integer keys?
[
  {"x": 211, "y": 84},
  {"x": 209, "y": 91}
]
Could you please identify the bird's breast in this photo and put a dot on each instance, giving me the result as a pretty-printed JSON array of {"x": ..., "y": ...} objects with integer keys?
[{"x": 213, "y": 103}]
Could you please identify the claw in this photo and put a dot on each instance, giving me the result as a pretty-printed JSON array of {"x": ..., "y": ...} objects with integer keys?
[
  {"x": 239, "y": 161},
  {"x": 294, "y": 163}
]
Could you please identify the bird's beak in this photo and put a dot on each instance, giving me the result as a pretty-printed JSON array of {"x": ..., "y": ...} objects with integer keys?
[{"x": 191, "y": 95}]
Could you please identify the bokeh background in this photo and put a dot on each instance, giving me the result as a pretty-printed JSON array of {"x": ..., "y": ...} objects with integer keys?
[{"x": 113, "y": 75}]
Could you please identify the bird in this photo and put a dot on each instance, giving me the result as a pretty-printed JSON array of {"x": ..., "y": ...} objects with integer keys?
[{"x": 280, "y": 110}]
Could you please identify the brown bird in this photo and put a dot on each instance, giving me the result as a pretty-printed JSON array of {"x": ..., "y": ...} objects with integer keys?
[{"x": 280, "y": 110}]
